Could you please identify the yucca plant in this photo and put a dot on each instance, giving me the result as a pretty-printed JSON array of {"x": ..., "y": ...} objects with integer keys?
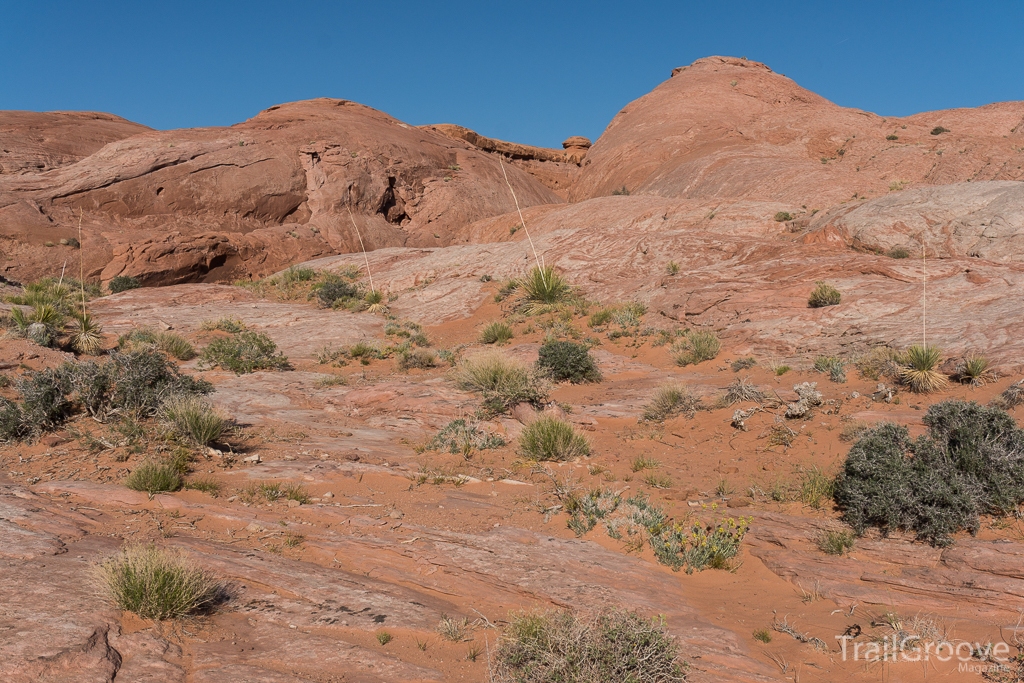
[
  {"x": 86, "y": 334},
  {"x": 920, "y": 373},
  {"x": 974, "y": 370},
  {"x": 375, "y": 302},
  {"x": 545, "y": 286},
  {"x": 43, "y": 324}
]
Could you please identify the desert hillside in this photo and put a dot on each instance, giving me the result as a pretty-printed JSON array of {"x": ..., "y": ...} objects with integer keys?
[{"x": 748, "y": 365}]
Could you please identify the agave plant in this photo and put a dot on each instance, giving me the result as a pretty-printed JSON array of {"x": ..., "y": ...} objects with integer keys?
[
  {"x": 86, "y": 334},
  {"x": 920, "y": 373}
]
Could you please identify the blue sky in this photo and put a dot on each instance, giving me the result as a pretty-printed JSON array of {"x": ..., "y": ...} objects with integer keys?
[{"x": 532, "y": 72}]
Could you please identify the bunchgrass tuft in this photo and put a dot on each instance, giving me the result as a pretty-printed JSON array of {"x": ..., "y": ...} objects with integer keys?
[
  {"x": 158, "y": 583},
  {"x": 502, "y": 380},
  {"x": 567, "y": 361},
  {"x": 498, "y": 332},
  {"x": 548, "y": 438},
  {"x": 153, "y": 476},
  {"x": 696, "y": 346},
  {"x": 245, "y": 352},
  {"x": 193, "y": 419},
  {"x": 835, "y": 541},
  {"x": 174, "y": 345},
  {"x": 669, "y": 401}
]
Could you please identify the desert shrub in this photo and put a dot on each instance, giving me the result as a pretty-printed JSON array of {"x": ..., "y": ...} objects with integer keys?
[
  {"x": 122, "y": 283},
  {"x": 939, "y": 130},
  {"x": 133, "y": 383},
  {"x": 548, "y": 438},
  {"x": 1011, "y": 397},
  {"x": 44, "y": 405},
  {"x": 835, "y": 541},
  {"x": 545, "y": 286},
  {"x": 898, "y": 253},
  {"x": 332, "y": 291},
  {"x": 296, "y": 274},
  {"x": 833, "y": 366},
  {"x": 783, "y": 216},
  {"x": 503, "y": 381},
  {"x": 669, "y": 401},
  {"x": 154, "y": 476},
  {"x": 155, "y": 583},
  {"x": 566, "y": 647},
  {"x": 763, "y": 635},
  {"x": 566, "y": 361},
  {"x": 695, "y": 347},
  {"x": 971, "y": 462},
  {"x": 600, "y": 318},
  {"x": 892, "y": 136},
  {"x": 420, "y": 359},
  {"x": 743, "y": 390},
  {"x": 462, "y": 436},
  {"x": 496, "y": 333},
  {"x": 585, "y": 510},
  {"x": 697, "y": 547},
  {"x": 672, "y": 268},
  {"x": 920, "y": 373},
  {"x": 205, "y": 484},
  {"x": 823, "y": 294},
  {"x": 245, "y": 352},
  {"x": 743, "y": 363},
  {"x": 622, "y": 191},
  {"x": 192, "y": 419}
]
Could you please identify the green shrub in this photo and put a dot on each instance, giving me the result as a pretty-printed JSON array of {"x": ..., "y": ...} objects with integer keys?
[
  {"x": 545, "y": 286},
  {"x": 898, "y": 253},
  {"x": 503, "y": 381},
  {"x": 496, "y": 333},
  {"x": 335, "y": 290},
  {"x": 155, "y": 477},
  {"x": 939, "y": 130},
  {"x": 566, "y": 647},
  {"x": 566, "y": 361},
  {"x": 763, "y": 635},
  {"x": 699, "y": 546},
  {"x": 892, "y": 136},
  {"x": 971, "y": 462},
  {"x": 585, "y": 511},
  {"x": 835, "y": 541},
  {"x": 205, "y": 484},
  {"x": 245, "y": 352},
  {"x": 696, "y": 346},
  {"x": 159, "y": 584},
  {"x": 461, "y": 436},
  {"x": 192, "y": 419},
  {"x": 672, "y": 268},
  {"x": 122, "y": 283},
  {"x": 920, "y": 373},
  {"x": 548, "y": 438},
  {"x": 823, "y": 295},
  {"x": 669, "y": 401},
  {"x": 44, "y": 405},
  {"x": 783, "y": 216},
  {"x": 296, "y": 274}
]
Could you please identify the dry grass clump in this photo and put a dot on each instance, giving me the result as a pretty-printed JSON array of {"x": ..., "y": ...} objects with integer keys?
[
  {"x": 502, "y": 380},
  {"x": 418, "y": 359},
  {"x": 548, "y": 438},
  {"x": 835, "y": 541},
  {"x": 1012, "y": 397},
  {"x": 823, "y": 294},
  {"x": 453, "y": 629},
  {"x": 696, "y": 347},
  {"x": 273, "y": 491},
  {"x": 569, "y": 647},
  {"x": 881, "y": 361},
  {"x": 192, "y": 418},
  {"x": 158, "y": 583},
  {"x": 669, "y": 401},
  {"x": 743, "y": 390},
  {"x": 920, "y": 373}
]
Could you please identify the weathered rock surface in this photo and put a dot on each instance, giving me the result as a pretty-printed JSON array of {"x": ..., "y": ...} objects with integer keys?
[{"x": 727, "y": 128}]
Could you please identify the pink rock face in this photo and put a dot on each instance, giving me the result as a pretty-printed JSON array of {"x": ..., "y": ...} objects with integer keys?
[
  {"x": 727, "y": 128},
  {"x": 296, "y": 181}
]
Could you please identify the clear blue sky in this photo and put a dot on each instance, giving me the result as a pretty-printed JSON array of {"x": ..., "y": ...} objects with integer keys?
[{"x": 532, "y": 72}]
